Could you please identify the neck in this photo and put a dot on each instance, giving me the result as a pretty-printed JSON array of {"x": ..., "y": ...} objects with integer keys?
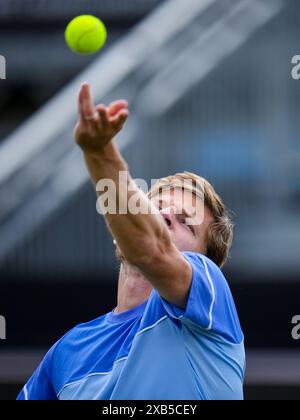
[{"x": 133, "y": 288}]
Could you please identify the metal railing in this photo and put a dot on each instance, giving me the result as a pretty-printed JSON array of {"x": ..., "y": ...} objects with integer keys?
[{"x": 40, "y": 170}]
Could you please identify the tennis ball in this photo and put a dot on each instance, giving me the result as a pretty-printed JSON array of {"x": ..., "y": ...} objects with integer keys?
[{"x": 85, "y": 34}]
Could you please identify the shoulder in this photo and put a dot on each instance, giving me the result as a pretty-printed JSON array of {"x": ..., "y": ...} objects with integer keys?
[
  {"x": 211, "y": 303},
  {"x": 75, "y": 349},
  {"x": 200, "y": 261},
  {"x": 81, "y": 333},
  {"x": 207, "y": 271}
]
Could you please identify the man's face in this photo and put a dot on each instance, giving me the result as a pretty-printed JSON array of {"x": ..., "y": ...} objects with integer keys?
[
  {"x": 177, "y": 208},
  {"x": 187, "y": 219}
]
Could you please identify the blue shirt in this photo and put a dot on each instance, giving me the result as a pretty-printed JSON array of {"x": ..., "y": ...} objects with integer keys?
[{"x": 155, "y": 351}]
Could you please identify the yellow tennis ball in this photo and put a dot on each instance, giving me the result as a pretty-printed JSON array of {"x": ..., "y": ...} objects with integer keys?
[{"x": 86, "y": 34}]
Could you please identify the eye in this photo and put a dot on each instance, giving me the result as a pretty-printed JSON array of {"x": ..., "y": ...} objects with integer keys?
[{"x": 190, "y": 227}]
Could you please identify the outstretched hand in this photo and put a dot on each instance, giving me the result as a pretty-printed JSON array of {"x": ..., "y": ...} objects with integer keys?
[{"x": 98, "y": 125}]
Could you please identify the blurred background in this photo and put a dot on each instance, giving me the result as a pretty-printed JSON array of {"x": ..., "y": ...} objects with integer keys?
[{"x": 210, "y": 91}]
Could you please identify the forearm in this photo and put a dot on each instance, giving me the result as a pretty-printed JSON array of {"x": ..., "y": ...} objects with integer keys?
[
  {"x": 105, "y": 164},
  {"x": 142, "y": 236},
  {"x": 139, "y": 236}
]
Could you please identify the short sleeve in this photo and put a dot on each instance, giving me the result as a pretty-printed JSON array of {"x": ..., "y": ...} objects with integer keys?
[
  {"x": 39, "y": 386},
  {"x": 210, "y": 304}
]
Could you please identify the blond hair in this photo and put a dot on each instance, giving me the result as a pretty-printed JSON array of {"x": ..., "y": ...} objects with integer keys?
[{"x": 220, "y": 232}]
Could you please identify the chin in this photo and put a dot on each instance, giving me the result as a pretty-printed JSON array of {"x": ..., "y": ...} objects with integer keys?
[{"x": 119, "y": 256}]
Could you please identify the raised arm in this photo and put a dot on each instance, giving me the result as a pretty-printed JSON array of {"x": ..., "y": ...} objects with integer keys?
[{"x": 143, "y": 239}]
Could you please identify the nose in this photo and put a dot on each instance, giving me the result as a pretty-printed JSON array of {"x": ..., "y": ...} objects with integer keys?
[
  {"x": 168, "y": 215},
  {"x": 167, "y": 220}
]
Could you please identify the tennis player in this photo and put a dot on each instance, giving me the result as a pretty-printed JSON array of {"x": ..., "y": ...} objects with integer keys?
[{"x": 175, "y": 332}]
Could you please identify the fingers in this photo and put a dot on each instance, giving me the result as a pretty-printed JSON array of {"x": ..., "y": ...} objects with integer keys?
[
  {"x": 119, "y": 120},
  {"x": 86, "y": 105},
  {"x": 116, "y": 106},
  {"x": 103, "y": 117},
  {"x": 80, "y": 107},
  {"x": 119, "y": 111}
]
